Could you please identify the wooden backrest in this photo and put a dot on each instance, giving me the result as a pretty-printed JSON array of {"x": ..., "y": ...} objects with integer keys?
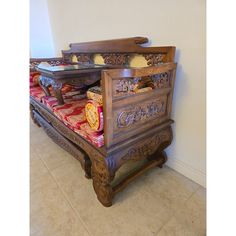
[
  {"x": 119, "y": 51},
  {"x": 128, "y": 114}
]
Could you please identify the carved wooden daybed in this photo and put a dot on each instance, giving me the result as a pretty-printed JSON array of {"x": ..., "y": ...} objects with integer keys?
[{"x": 136, "y": 126}]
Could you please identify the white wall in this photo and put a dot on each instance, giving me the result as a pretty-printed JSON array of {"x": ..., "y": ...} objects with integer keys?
[
  {"x": 165, "y": 22},
  {"x": 41, "y": 42}
]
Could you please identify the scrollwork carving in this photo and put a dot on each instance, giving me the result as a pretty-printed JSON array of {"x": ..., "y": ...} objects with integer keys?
[
  {"x": 154, "y": 59},
  {"x": 162, "y": 80},
  {"x": 101, "y": 181},
  {"x": 136, "y": 114},
  {"x": 115, "y": 58},
  {"x": 84, "y": 58},
  {"x": 67, "y": 57},
  {"x": 56, "y": 62},
  {"x": 148, "y": 147},
  {"x": 124, "y": 87}
]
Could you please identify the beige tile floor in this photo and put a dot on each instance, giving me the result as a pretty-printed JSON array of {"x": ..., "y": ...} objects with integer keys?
[{"x": 62, "y": 201}]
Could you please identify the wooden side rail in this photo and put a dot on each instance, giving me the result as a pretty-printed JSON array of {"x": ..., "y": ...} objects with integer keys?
[
  {"x": 159, "y": 161},
  {"x": 128, "y": 114}
]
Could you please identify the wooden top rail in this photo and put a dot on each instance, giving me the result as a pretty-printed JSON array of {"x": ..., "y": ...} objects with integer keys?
[{"x": 117, "y": 51}]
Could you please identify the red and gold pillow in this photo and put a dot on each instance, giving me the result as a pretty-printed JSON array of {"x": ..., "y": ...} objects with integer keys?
[{"x": 94, "y": 115}]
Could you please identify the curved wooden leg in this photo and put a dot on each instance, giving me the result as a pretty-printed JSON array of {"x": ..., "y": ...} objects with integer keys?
[
  {"x": 160, "y": 157},
  {"x": 87, "y": 168},
  {"x": 163, "y": 157},
  {"x": 101, "y": 182},
  {"x": 32, "y": 116}
]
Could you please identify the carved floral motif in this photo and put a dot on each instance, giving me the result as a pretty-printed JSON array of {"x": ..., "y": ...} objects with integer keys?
[
  {"x": 154, "y": 59},
  {"x": 115, "y": 58},
  {"x": 101, "y": 181},
  {"x": 67, "y": 57},
  {"x": 33, "y": 64},
  {"x": 126, "y": 86},
  {"x": 162, "y": 80},
  {"x": 149, "y": 147},
  {"x": 84, "y": 58},
  {"x": 145, "y": 111}
]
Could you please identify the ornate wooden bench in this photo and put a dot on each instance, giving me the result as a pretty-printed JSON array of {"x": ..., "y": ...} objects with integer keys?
[{"x": 136, "y": 126}]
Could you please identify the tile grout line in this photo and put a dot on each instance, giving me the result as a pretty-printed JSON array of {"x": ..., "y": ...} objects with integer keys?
[
  {"x": 163, "y": 226},
  {"x": 192, "y": 194},
  {"x": 175, "y": 210},
  {"x": 67, "y": 200}
]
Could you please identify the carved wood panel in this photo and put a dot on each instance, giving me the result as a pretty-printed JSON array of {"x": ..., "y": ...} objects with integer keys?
[
  {"x": 115, "y": 58},
  {"x": 154, "y": 59},
  {"x": 140, "y": 113},
  {"x": 52, "y": 62},
  {"x": 123, "y": 87},
  {"x": 148, "y": 146},
  {"x": 85, "y": 58}
]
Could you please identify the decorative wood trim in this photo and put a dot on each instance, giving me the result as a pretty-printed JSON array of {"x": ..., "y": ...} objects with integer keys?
[
  {"x": 125, "y": 45},
  {"x": 52, "y": 61},
  {"x": 141, "y": 113},
  {"x": 101, "y": 181},
  {"x": 115, "y": 58},
  {"x": 148, "y": 147},
  {"x": 154, "y": 59},
  {"x": 85, "y": 58}
]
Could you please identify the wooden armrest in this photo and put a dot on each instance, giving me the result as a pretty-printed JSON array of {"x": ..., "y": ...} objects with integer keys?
[{"x": 132, "y": 114}]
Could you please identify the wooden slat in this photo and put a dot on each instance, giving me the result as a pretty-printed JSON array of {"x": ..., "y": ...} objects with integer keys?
[{"x": 150, "y": 164}]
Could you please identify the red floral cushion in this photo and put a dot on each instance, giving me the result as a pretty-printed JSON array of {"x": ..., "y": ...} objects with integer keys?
[
  {"x": 96, "y": 138},
  {"x": 33, "y": 79},
  {"x": 73, "y": 116},
  {"x": 62, "y": 110},
  {"x": 72, "y": 113},
  {"x": 37, "y": 93}
]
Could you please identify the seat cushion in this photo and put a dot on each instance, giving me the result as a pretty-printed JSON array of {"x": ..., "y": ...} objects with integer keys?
[
  {"x": 96, "y": 138},
  {"x": 33, "y": 79},
  {"x": 37, "y": 92},
  {"x": 62, "y": 110},
  {"x": 72, "y": 113}
]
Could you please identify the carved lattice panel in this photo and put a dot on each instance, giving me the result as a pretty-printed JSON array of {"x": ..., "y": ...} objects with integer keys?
[{"x": 126, "y": 86}]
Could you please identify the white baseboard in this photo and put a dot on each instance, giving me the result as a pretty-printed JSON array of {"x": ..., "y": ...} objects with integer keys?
[{"x": 188, "y": 171}]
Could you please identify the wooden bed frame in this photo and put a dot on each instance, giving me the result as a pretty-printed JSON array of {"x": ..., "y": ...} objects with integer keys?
[{"x": 136, "y": 126}]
